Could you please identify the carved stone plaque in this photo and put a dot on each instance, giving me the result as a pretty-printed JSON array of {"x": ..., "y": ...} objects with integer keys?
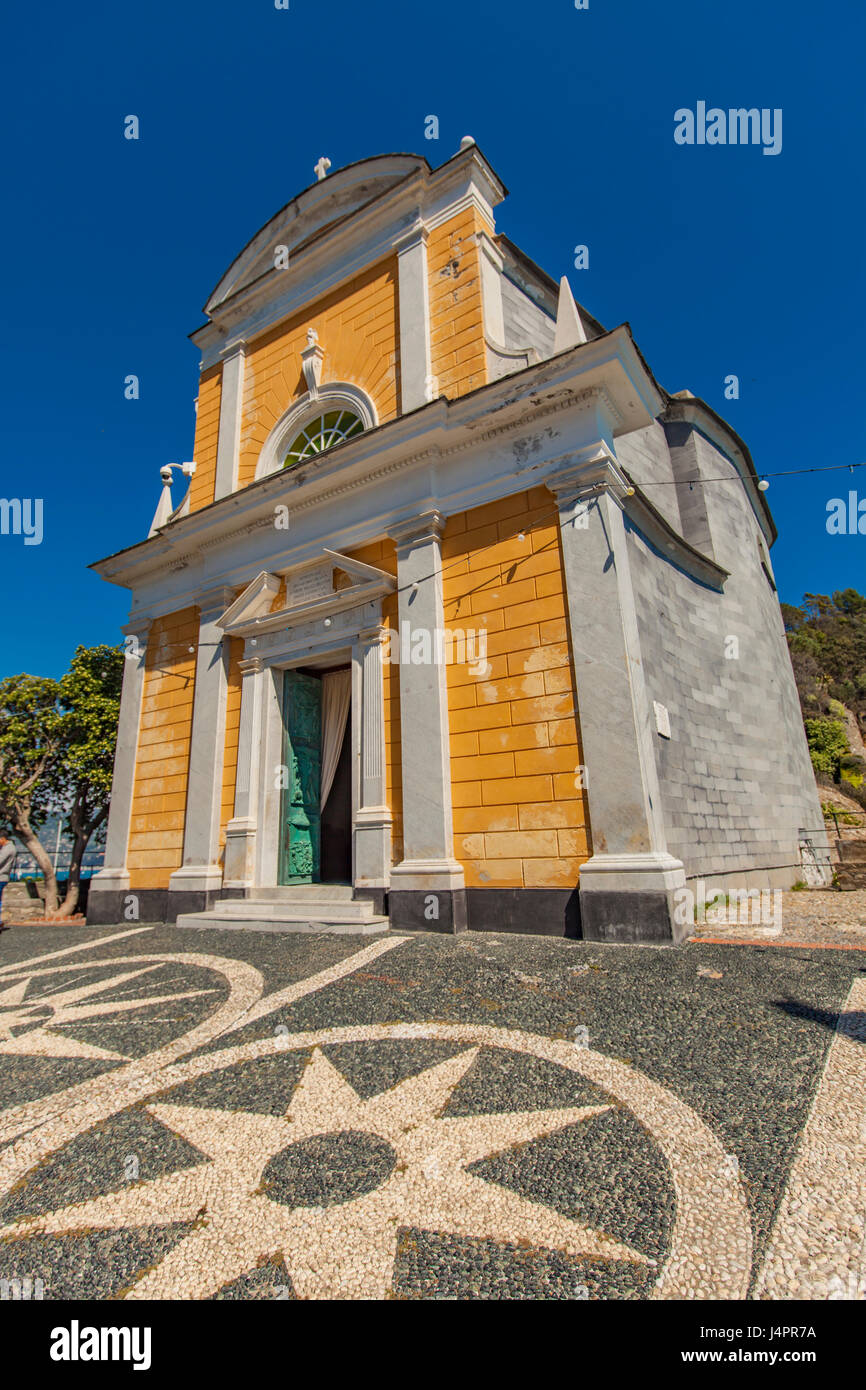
[{"x": 308, "y": 584}]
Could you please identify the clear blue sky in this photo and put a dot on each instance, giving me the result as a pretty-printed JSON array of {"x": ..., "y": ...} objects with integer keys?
[{"x": 722, "y": 259}]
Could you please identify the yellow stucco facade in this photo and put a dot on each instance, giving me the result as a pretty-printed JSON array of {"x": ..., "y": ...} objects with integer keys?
[{"x": 519, "y": 807}]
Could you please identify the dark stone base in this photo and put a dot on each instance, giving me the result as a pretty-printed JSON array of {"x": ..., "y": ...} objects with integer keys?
[
  {"x": 630, "y": 918},
  {"x": 411, "y": 911},
  {"x": 147, "y": 905},
  {"x": 112, "y": 907},
  {"x": 529, "y": 911},
  {"x": 598, "y": 916},
  {"x": 189, "y": 900},
  {"x": 377, "y": 896}
]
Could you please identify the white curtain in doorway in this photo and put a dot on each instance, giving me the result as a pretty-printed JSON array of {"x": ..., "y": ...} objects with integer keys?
[{"x": 336, "y": 700}]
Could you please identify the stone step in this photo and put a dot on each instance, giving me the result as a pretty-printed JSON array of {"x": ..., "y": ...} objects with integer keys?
[
  {"x": 319, "y": 909},
  {"x": 852, "y": 851},
  {"x": 301, "y": 892},
  {"x": 283, "y": 917},
  {"x": 850, "y": 876}
]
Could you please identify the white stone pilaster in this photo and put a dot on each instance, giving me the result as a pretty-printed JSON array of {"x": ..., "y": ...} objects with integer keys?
[
  {"x": 617, "y": 732},
  {"x": 231, "y": 409},
  {"x": 241, "y": 831},
  {"x": 114, "y": 874},
  {"x": 373, "y": 819},
  {"x": 428, "y": 842},
  {"x": 418, "y": 386},
  {"x": 491, "y": 261},
  {"x": 200, "y": 869}
]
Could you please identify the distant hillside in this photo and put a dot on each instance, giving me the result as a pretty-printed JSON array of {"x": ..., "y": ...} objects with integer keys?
[{"x": 827, "y": 641}]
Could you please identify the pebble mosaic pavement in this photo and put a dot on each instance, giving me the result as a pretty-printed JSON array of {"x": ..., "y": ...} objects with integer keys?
[{"x": 243, "y": 1116}]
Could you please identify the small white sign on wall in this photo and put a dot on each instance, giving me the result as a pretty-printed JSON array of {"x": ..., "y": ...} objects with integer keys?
[{"x": 663, "y": 719}]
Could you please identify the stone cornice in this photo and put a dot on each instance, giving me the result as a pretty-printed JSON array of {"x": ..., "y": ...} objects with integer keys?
[{"x": 605, "y": 376}]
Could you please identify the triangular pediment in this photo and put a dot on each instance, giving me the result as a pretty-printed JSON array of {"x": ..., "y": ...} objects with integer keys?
[
  {"x": 310, "y": 593},
  {"x": 256, "y": 599},
  {"x": 322, "y": 206}
]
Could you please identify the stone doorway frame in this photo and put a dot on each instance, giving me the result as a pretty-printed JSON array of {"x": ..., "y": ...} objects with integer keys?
[{"x": 330, "y": 628}]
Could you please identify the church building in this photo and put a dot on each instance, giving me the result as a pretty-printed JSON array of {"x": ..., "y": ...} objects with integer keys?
[{"x": 463, "y": 620}]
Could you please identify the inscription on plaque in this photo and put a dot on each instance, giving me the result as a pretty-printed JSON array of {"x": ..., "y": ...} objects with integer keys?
[{"x": 310, "y": 584}]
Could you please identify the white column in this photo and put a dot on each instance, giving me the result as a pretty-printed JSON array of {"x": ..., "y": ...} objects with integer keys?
[
  {"x": 201, "y": 870},
  {"x": 491, "y": 261},
  {"x": 373, "y": 819},
  {"x": 428, "y": 843},
  {"x": 240, "y": 858},
  {"x": 418, "y": 385},
  {"x": 626, "y": 887},
  {"x": 115, "y": 875},
  {"x": 231, "y": 409}
]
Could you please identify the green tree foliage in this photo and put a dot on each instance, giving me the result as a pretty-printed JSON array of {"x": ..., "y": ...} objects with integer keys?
[
  {"x": 31, "y": 736},
  {"x": 57, "y": 741},
  {"x": 89, "y": 696},
  {"x": 827, "y": 641},
  {"x": 828, "y": 745}
]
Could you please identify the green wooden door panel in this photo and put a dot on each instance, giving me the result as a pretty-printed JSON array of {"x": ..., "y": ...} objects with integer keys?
[{"x": 300, "y": 828}]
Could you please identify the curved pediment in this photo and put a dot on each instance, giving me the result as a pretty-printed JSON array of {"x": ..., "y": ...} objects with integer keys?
[{"x": 324, "y": 204}]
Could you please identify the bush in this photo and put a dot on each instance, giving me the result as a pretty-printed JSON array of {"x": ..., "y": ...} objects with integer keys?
[
  {"x": 828, "y": 745},
  {"x": 852, "y": 770}
]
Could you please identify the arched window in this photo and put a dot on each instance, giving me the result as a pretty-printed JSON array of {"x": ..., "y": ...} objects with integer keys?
[
  {"x": 338, "y": 411},
  {"x": 322, "y": 432}
]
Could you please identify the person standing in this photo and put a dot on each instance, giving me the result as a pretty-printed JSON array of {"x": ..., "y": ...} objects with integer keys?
[{"x": 7, "y": 859}]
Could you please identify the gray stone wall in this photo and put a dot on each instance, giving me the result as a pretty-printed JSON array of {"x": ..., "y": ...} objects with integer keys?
[
  {"x": 526, "y": 325},
  {"x": 646, "y": 456},
  {"x": 736, "y": 781}
]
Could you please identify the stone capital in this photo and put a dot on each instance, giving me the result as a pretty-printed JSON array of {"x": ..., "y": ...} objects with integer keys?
[
  {"x": 587, "y": 473},
  {"x": 236, "y": 348},
  {"x": 139, "y": 628},
  {"x": 417, "y": 530},
  {"x": 416, "y": 235},
  {"x": 214, "y": 602}
]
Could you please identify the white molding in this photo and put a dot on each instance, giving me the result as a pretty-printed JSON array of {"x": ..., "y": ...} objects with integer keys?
[
  {"x": 114, "y": 874},
  {"x": 417, "y": 383},
  {"x": 334, "y": 395},
  {"x": 255, "y": 600},
  {"x": 231, "y": 412},
  {"x": 491, "y": 287},
  {"x": 446, "y": 456}
]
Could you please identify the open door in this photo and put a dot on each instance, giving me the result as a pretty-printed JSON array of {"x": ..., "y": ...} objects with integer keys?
[{"x": 300, "y": 818}]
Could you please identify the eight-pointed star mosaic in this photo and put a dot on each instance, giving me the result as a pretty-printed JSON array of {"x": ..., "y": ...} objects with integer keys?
[{"x": 282, "y": 1150}]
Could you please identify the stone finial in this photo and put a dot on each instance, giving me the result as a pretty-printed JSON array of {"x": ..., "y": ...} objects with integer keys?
[
  {"x": 321, "y": 169},
  {"x": 569, "y": 328},
  {"x": 312, "y": 357},
  {"x": 467, "y": 142},
  {"x": 165, "y": 506}
]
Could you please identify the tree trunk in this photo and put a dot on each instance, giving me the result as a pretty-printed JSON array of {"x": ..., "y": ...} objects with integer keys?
[
  {"x": 73, "y": 883},
  {"x": 32, "y": 843},
  {"x": 82, "y": 830}
]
